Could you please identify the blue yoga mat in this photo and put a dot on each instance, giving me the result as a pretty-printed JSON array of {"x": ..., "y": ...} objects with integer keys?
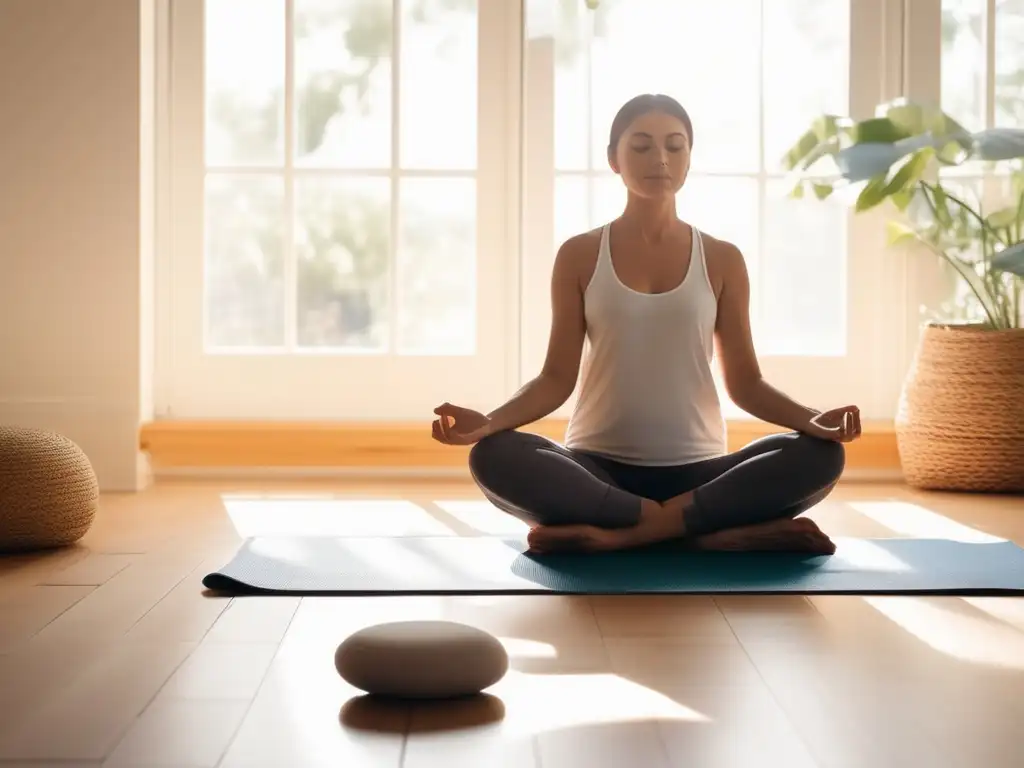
[{"x": 496, "y": 565}]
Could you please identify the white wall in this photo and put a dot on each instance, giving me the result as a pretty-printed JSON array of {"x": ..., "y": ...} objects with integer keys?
[{"x": 76, "y": 224}]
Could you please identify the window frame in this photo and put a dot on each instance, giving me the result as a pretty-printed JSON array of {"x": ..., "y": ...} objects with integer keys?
[
  {"x": 864, "y": 375},
  {"x": 896, "y": 50},
  {"x": 194, "y": 382}
]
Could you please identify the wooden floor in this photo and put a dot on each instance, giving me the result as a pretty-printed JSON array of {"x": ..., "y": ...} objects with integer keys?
[{"x": 110, "y": 654}]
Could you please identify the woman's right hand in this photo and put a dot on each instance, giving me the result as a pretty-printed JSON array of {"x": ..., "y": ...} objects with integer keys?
[{"x": 459, "y": 426}]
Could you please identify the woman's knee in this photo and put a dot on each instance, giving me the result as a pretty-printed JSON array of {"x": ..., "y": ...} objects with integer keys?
[
  {"x": 495, "y": 455},
  {"x": 501, "y": 465},
  {"x": 826, "y": 459}
]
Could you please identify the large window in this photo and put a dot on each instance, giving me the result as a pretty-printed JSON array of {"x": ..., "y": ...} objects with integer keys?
[
  {"x": 982, "y": 76},
  {"x": 752, "y": 74},
  {"x": 983, "y": 62},
  {"x": 340, "y": 193},
  {"x": 365, "y": 196},
  {"x": 786, "y": 62},
  {"x": 340, "y": 200}
]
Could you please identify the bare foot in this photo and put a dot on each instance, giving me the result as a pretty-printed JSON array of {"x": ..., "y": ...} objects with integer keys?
[
  {"x": 658, "y": 522},
  {"x": 798, "y": 535},
  {"x": 576, "y": 538}
]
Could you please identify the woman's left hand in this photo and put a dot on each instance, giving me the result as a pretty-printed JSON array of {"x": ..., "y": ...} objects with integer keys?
[{"x": 841, "y": 425}]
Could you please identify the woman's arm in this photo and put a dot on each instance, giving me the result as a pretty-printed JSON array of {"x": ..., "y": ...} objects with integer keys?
[
  {"x": 557, "y": 379},
  {"x": 735, "y": 347}
]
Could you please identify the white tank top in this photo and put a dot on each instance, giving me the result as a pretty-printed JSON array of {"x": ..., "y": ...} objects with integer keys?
[{"x": 647, "y": 395}]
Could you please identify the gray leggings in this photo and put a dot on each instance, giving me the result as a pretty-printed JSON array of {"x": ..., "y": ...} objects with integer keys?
[{"x": 542, "y": 482}]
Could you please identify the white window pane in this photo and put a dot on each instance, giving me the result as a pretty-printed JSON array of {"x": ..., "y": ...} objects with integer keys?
[
  {"x": 802, "y": 276},
  {"x": 675, "y": 47},
  {"x": 725, "y": 208},
  {"x": 806, "y": 68},
  {"x": 438, "y": 84},
  {"x": 244, "y": 81},
  {"x": 343, "y": 83},
  {"x": 721, "y": 206},
  {"x": 342, "y": 242},
  {"x": 1009, "y": 50},
  {"x": 572, "y": 208},
  {"x": 437, "y": 266},
  {"x": 963, "y": 61},
  {"x": 608, "y": 199},
  {"x": 244, "y": 264},
  {"x": 798, "y": 275},
  {"x": 574, "y": 26},
  {"x": 584, "y": 202}
]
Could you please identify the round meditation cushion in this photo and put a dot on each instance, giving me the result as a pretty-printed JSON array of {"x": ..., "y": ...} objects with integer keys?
[
  {"x": 49, "y": 494},
  {"x": 421, "y": 659}
]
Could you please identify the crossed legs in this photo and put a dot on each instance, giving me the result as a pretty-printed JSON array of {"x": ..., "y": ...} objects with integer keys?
[{"x": 748, "y": 499}]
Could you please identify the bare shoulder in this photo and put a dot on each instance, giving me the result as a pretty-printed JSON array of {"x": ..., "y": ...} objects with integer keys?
[
  {"x": 725, "y": 261},
  {"x": 717, "y": 249},
  {"x": 577, "y": 256}
]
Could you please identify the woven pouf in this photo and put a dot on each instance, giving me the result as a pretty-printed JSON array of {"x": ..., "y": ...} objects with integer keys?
[
  {"x": 48, "y": 490},
  {"x": 960, "y": 421}
]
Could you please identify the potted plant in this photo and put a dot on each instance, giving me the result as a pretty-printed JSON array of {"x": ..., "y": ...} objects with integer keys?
[{"x": 960, "y": 419}]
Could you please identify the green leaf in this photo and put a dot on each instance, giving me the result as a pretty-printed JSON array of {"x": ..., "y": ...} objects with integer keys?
[
  {"x": 1005, "y": 217},
  {"x": 952, "y": 141},
  {"x": 903, "y": 198},
  {"x": 952, "y": 152},
  {"x": 879, "y": 130},
  {"x": 899, "y": 233},
  {"x": 820, "y": 139},
  {"x": 828, "y": 147},
  {"x": 822, "y": 191},
  {"x": 1017, "y": 183},
  {"x": 910, "y": 172},
  {"x": 926, "y": 118},
  {"x": 872, "y": 195},
  {"x": 908, "y": 116},
  {"x": 942, "y": 206},
  {"x": 803, "y": 147}
]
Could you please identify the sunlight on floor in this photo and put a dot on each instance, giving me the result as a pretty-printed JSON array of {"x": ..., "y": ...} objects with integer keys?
[
  {"x": 959, "y": 628},
  {"x": 985, "y": 632},
  {"x": 259, "y": 515},
  {"x": 956, "y": 631},
  {"x": 483, "y": 517},
  {"x": 866, "y": 555},
  {"x": 917, "y": 521},
  {"x": 523, "y": 648},
  {"x": 567, "y": 701},
  {"x": 1009, "y": 610}
]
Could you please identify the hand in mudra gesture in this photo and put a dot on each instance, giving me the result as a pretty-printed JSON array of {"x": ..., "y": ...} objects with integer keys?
[
  {"x": 841, "y": 425},
  {"x": 459, "y": 426}
]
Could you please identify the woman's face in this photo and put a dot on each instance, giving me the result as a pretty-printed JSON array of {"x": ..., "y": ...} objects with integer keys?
[{"x": 653, "y": 155}]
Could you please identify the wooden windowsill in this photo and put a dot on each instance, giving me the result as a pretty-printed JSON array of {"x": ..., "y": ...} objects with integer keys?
[{"x": 331, "y": 444}]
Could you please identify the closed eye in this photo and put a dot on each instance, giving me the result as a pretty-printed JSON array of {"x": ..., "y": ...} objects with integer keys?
[{"x": 670, "y": 149}]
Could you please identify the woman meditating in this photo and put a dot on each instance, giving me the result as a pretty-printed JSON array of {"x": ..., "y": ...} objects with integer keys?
[{"x": 645, "y": 456}]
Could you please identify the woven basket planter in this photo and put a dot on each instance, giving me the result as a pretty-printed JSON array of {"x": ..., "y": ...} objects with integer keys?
[
  {"x": 960, "y": 421},
  {"x": 49, "y": 493}
]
